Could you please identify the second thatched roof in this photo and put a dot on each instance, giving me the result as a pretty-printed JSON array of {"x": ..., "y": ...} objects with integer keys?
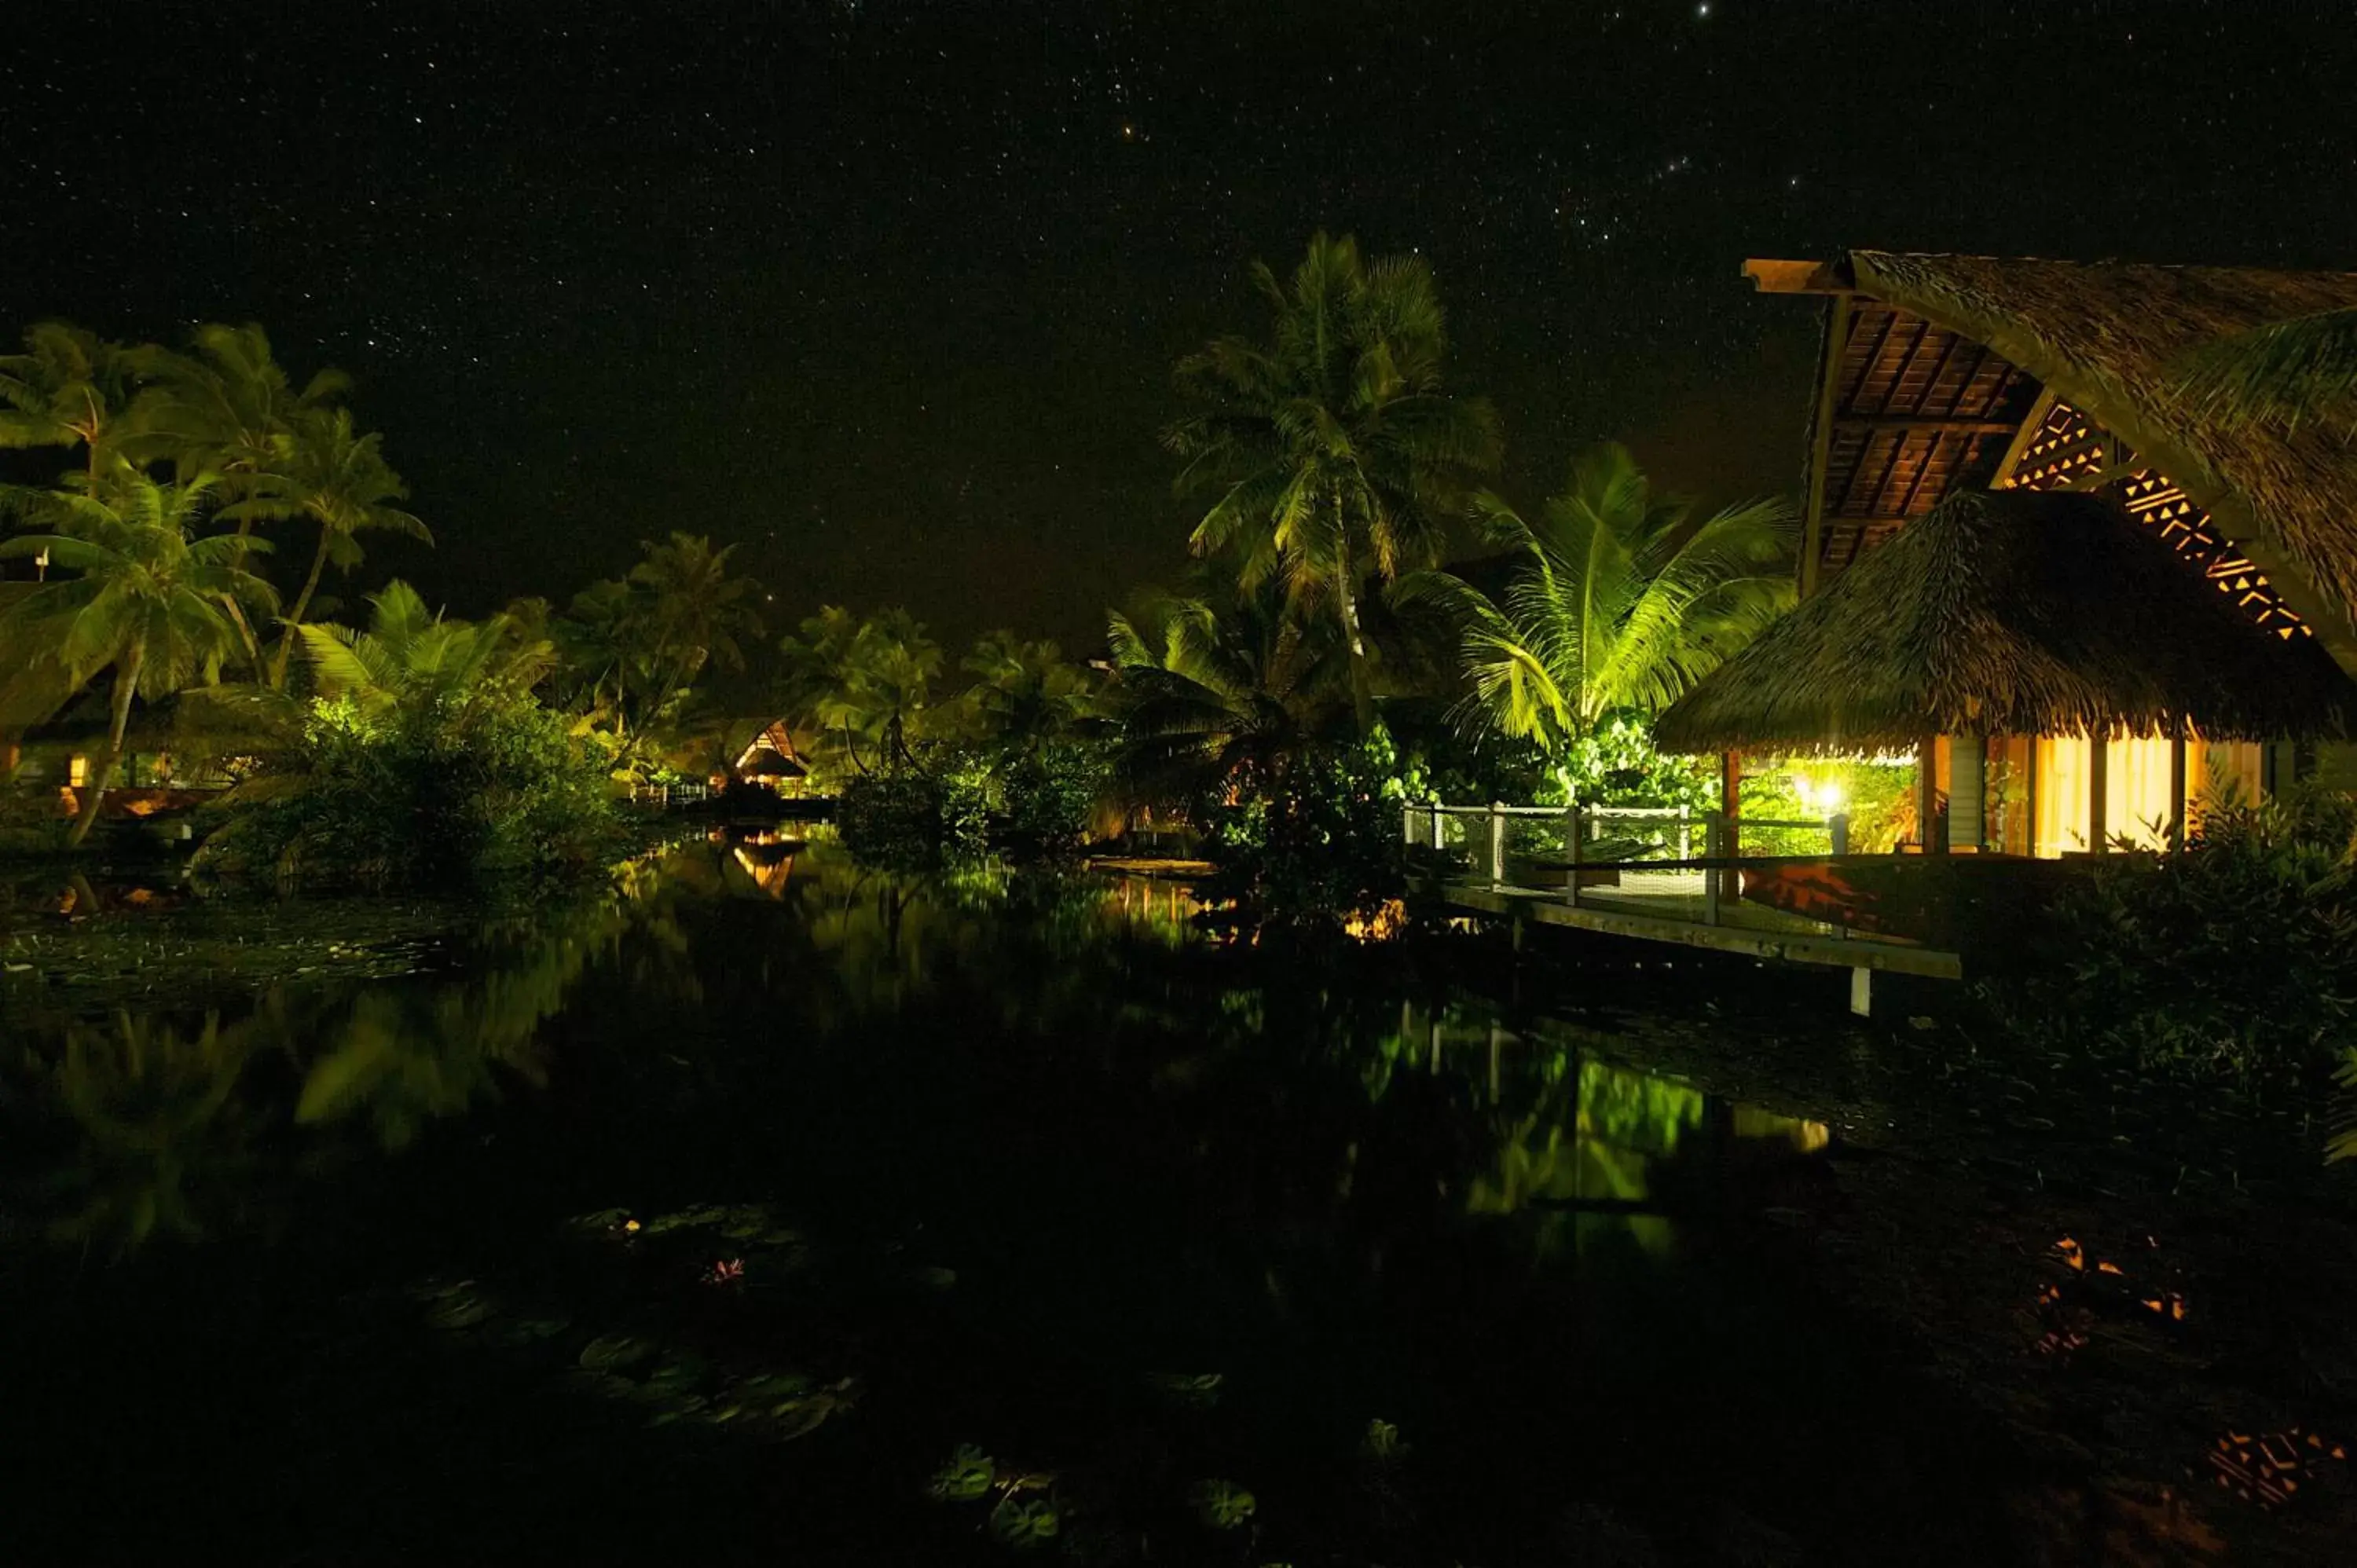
[{"x": 2012, "y": 612}]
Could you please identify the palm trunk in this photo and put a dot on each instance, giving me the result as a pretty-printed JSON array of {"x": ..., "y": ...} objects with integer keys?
[
  {"x": 127, "y": 682},
  {"x": 1362, "y": 700},
  {"x": 294, "y": 615}
]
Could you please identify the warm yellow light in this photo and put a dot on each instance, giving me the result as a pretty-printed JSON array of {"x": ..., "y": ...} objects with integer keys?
[{"x": 78, "y": 771}]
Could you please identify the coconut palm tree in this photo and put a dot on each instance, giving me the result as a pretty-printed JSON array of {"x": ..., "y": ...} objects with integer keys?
[
  {"x": 2290, "y": 373},
  {"x": 1333, "y": 450},
  {"x": 418, "y": 660},
  {"x": 695, "y": 609},
  {"x": 229, "y": 407},
  {"x": 146, "y": 602},
  {"x": 863, "y": 681},
  {"x": 1621, "y": 599},
  {"x": 68, "y": 388},
  {"x": 340, "y": 481},
  {"x": 1213, "y": 689},
  {"x": 1025, "y": 692}
]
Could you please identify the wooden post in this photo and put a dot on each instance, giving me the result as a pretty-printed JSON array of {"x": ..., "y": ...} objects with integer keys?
[
  {"x": 2099, "y": 789},
  {"x": 1967, "y": 792},
  {"x": 1821, "y": 440},
  {"x": 1838, "y": 828},
  {"x": 1928, "y": 825},
  {"x": 1497, "y": 843},
  {"x": 1713, "y": 835},
  {"x": 2031, "y": 750},
  {"x": 1861, "y": 992},
  {"x": 2177, "y": 796},
  {"x": 1571, "y": 854},
  {"x": 1730, "y": 810}
]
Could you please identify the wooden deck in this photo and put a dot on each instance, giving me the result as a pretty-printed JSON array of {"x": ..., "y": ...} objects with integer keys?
[{"x": 1678, "y": 918}]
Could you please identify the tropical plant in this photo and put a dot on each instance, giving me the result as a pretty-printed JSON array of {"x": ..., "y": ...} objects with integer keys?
[
  {"x": 2289, "y": 372},
  {"x": 425, "y": 757},
  {"x": 1619, "y": 600},
  {"x": 1026, "y": 693},
  {"x": 1333, "y": 452},
  {"x": 146, "y": 602},
  {"x": 863, "y": 682},
  {"x": 340, "y": 481},
  {"x": 1213, "y": 689},
  {"x": 638, "y": 643}
]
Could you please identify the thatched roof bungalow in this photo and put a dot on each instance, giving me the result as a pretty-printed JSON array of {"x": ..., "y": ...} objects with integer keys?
[
  {"x": 1946, "y": 375},
  {"x": 2015, "y": 613}
]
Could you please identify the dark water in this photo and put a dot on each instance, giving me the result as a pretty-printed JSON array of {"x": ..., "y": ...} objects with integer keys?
[{"x": 770, "y": 1210}]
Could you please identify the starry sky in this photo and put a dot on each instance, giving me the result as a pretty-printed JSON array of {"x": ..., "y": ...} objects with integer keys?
[{"x": 890, "y": 290}]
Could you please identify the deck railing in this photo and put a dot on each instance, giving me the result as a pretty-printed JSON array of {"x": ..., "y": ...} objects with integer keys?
[{"x": 1636, "y": 850}]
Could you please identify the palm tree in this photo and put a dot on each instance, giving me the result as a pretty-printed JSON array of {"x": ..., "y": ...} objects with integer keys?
[
  {"x": 148, "y": 602},
  {"x": 863, "y": 680},
  {"x": 419, "y": 661},
  {"x": 68, "y": 388},
  {"x": 1025, "y": 692},
  {"x": 695, "y": 609},
  {"x": 2290, "y": 373},
  {"x": 341, "y": 482},
  {"x": 1621, "y": 600},
  {"x": 1333, "y": 450},
  {"x": 1213, "y": 689},
  {"x": 228, "y": 407}
]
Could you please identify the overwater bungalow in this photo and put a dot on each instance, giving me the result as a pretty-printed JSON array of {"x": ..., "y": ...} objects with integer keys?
[{"x": 2072, "y": 668}]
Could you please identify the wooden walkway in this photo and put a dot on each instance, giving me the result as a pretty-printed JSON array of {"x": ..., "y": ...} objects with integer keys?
[{"x": 1633, "y": 873}]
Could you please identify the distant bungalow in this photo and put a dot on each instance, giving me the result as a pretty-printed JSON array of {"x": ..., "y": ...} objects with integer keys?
[{"x": 2185, "y": 619}]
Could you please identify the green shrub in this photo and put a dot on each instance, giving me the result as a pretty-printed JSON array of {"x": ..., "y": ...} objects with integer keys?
[
  {"x": 423, "y": 797},
  {"x": 1317, "y": 846},
  {"x": 2235, "y": 960}
]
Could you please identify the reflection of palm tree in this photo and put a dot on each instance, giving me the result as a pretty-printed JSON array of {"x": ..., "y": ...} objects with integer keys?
[
  {"x": 159, "y": 1120},
  {"x": 1333, "y": 451}
]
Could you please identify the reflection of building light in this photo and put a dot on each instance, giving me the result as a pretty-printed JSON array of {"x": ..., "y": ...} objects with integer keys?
[{"x": 78, "y": 771}]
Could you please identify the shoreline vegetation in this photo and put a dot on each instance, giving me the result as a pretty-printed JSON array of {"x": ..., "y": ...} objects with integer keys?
[{"x": 1356, "y": 621}]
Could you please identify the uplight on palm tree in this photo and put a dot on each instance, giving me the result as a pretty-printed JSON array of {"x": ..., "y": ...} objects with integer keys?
[
  {"x": 1619, "y": 599},
  {"x": 1333, "y": 451}
]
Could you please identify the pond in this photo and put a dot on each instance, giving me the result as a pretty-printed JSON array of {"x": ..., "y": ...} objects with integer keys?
[{"x": 770, "y": 1208}]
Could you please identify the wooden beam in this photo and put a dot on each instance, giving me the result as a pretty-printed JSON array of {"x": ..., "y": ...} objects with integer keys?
[
  {"x": 2031, "y": 423},
  {"x": 1797, "y": 277},
  {"x": 1821, "y": 439},
  {"x": 1929, "y": 825},
  {"x": 2176, "y": 795},
  {"x": 2099, "y": 793},
  {"x": 1911, "y": 423}
]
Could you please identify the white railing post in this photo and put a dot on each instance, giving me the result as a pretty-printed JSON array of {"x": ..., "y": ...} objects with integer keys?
[
  {"x": 1686, "y": 832},
  {"x": 1407, "y": 823},
  {"x": 1439, "y": 838},
  {"x": 1710, "y": 845},
  {"x": 1571, "y": 854},
  {"x": 1497, "y": 843}
]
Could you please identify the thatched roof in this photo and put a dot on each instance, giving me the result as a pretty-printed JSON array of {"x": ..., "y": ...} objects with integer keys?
[
  {"x": 2011, "y": 613},
  {"x": 1939, "y": 352},
  {"x": 766, "y": 761}
]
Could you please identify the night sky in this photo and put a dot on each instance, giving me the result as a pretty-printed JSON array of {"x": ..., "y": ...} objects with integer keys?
[{"x": 890, "y": 291}]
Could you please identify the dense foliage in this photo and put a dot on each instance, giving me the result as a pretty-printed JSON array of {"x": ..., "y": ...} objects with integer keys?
[{"x": 2235, "y": 961}]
